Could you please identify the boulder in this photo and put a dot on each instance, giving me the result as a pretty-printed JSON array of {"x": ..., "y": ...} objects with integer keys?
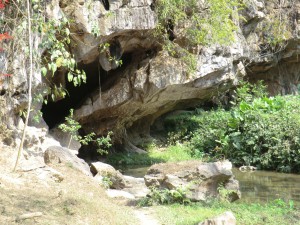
[
  {"x": 136, "y": 186},
  {"x": 200, "y": 180},
  {"x": 106, "y": 170},
  {"x": 112, "y": 193},
  {"x": 57, "y": 155},
  {"x": 64, "y": 140},
  {"x": 226, "y": 218}
]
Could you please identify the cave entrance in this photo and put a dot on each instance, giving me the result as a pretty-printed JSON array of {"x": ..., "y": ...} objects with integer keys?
[
  {"x": 106, "y": 4},
  {"x": 55, "y": 112}
]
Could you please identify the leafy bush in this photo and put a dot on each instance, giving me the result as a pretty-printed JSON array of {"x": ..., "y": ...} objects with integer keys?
[
  {"x": 71, "y": 126},
  {"x": 165, "y": 196},
  {"x": 258, "y": 130},
  {"x": 265, "y": 133},
  {"x": 198, "y": 130}
]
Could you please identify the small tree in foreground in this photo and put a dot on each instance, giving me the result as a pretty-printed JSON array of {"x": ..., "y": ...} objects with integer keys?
[{"x": 71, "y": 126}]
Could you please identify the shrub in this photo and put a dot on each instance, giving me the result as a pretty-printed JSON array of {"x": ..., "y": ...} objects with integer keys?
[
  {"x": 258, "y": 130},
  {"x": 165, "y": 196},
  {"x": 265, "y": 133}
]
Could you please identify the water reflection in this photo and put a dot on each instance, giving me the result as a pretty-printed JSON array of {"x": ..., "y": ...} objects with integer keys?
[
  {"x": 266, "y": 186},
  {"x": 257, "y": 186}
]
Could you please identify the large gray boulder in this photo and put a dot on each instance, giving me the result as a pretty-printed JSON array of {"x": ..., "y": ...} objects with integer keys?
[
  {"x": 102, "y": 170},
  {"x": 201, "y": 180},
  {"x": 136, "y": 187},
  {"x": 64, "y": 139},
  {"x": 61, "y": 155}
]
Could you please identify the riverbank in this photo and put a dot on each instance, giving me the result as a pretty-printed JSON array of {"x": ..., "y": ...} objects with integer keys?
[
  {"x": 256, "y": 187},
  {"x": 267, "y": 197},
  {"x": 63, "y": 195}
]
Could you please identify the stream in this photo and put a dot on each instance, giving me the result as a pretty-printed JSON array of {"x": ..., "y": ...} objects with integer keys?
[{"x": 257, "y": 186}]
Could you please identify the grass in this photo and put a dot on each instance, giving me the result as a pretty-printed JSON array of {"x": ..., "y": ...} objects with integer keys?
[
  {"x": 173, "y": 153},
  {"x": 273, "y": 213}
]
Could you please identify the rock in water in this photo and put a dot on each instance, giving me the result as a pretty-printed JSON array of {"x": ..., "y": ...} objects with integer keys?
[{"x": 200, "y": 180}]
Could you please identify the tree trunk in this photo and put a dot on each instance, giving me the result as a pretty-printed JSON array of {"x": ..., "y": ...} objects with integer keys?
[{"x": 29, "y": 84}]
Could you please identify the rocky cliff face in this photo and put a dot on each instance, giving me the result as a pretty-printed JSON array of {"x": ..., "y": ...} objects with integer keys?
[{"x": 127, "y": 98}]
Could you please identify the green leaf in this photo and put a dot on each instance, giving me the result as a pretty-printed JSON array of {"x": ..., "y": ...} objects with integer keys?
[
  {"x": 72, "y": 63},
  {"x": 70, "y": 77},
  {"x": 44, "y": 71},
  {"x": 75, "y": 81},
  {"x": 67, "y": 31},
  {"x": 53, "y": 68}
]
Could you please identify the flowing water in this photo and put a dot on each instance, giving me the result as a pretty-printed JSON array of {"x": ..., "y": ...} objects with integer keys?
[{"x": 257, "y": 186}]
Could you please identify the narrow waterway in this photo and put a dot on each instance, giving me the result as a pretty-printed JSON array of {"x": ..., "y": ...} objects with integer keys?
[
  {"x": 257, "y": 186},
  {"x": 265, "y": 186}
]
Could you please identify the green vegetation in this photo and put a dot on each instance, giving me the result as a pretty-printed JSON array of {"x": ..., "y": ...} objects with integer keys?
[
  {"x": 178, "y": 195},
  {"x": 165, "y": 196},
  {"x": 173, "y": 153},
  {"x": 71, "y": 126},
  {"x": 56, "y": 40},
  {"x": 209, "y": 22},
  {"x": 279, "y": 27},
  {"x": 276, "y": 212},
  {"x": 258, "y": 130}
]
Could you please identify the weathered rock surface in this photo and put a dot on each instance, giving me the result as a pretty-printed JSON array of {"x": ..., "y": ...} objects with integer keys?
[
  {"x": 37, "y": 140},
  {"x": 57, "y": 155},
  {"x": 201, "y": 180},
  {"x": 64, "y": 139},
  {"x": 136, "y": 186},
  {"x": 115, "y": 18},
  {"x": 151, "y": 83},
  {"x": 152, "y": 87},
  {"x": 154, "y": 83},
  {"x": 226, "y": 218},
  {"x": 105, "y": 170},
  {"x": 112, "y": 193}
]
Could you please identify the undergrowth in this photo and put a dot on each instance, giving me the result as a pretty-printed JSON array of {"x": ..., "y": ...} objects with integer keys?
[
  {"x": 173, "y": 153},
  {"x": 275, "y": 212},
  {"x": 165, "y": 197},
  {"x": 257, "y": 130}
]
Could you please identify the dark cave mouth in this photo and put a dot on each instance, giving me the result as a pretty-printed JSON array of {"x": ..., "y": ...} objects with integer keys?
[
  {"x": 54, "y": 112},
  {"x": 106, "y": 4}
]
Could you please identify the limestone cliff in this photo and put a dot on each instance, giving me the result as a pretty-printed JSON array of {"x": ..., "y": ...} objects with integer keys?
[{"x": 127, "y": 98}]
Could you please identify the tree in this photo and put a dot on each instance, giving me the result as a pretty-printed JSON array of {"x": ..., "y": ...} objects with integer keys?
[
  {"x": 29, "y": 83},
  {"x": 72, "y": 127}
]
